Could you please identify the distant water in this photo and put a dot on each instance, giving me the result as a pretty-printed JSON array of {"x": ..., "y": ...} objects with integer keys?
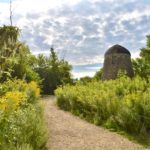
[{"x": 85, "y": 70}]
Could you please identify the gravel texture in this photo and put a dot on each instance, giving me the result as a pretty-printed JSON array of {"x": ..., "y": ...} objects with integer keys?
[{"x": 68, "y": 132}]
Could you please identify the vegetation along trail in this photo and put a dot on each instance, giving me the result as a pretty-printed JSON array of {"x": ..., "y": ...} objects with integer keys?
[{"x": 68, "y": 132}]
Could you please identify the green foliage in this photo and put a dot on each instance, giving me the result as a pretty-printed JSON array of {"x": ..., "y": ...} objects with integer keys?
[
  {"x": 21, "y": 116},
  {"x": 53, "y": 72},
  {"x": 8, "y": 50},
  {"x": 145, "y": 52},
  {"x": 85, "y": 80},
  {"x": 141, "y": 68},
  {"x": 7, "y": 34},
  {"x": 16, "y": 61},
  {"x": 30, "y": 91},
  {"x": 141, "y": 65},
  {"x": 98, "y": 75},
  {"x": 7, "y": 61},
  {"x": 24, "y": 126},
  {"x": 26, "y": 62},
  {"x": 121, "y": 104}
]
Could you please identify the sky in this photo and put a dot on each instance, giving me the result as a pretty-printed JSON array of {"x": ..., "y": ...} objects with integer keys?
[{"x": 80, "y": 31}]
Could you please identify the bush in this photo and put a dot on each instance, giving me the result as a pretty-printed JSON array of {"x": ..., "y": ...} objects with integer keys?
[
  {"x": 19, "y": 92},
  {"x": 24, "y": 126},
  {"x": 122, "y": 104},
  {"x": 21, "y": 116}
]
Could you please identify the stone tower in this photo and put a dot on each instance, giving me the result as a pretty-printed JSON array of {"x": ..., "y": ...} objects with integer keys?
[{"x": 117, "y": 58}]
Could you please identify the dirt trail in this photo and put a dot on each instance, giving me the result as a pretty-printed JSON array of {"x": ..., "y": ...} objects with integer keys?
[{"x": 68, "y": 132}]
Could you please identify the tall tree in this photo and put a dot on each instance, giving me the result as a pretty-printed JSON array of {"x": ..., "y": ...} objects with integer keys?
[
  {"x": 141, "y": 65},
  {"x": 54, "y": 72},
  {"x": 145, "y": 52}
]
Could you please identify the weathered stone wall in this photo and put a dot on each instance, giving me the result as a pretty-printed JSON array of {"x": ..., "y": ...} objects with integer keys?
[{"x": 115, "y": 62}]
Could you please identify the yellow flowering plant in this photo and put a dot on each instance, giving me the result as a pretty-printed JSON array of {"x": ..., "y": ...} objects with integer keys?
[
  {"x": 35, "y": 89},
  {"x": 14, "y": 99},
  {"x": 2, "y": 104},
  {"x": 16, "y": 93}
]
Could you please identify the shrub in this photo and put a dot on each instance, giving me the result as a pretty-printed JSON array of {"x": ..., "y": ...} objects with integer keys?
[
  {"x": 19, "y": 90},
  {"x": 24, "y": 126},
  {"x": 21, "y": 116}
]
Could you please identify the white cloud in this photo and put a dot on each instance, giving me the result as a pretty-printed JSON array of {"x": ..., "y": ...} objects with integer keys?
[
  {"x": 135, "y": 15},
  {"x": 4, "y": 13},
  {"x": 135, "y": 55},
  {"x": 80, "y": 30},
  {"x": 36, "y": 6},
  {"x": 83, "y": 74}
]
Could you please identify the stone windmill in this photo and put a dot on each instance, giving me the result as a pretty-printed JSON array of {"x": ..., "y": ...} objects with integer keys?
[{"x": 117, "y": 58}]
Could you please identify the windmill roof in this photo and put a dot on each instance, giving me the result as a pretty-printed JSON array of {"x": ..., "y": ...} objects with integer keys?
[{"x": 117, "y": 49}]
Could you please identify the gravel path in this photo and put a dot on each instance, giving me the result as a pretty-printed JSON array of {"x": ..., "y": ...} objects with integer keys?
[{"x": 68, "y": 132}]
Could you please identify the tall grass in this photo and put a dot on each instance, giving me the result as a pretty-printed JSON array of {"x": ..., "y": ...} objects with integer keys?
[{"x": 122, "y": 104}]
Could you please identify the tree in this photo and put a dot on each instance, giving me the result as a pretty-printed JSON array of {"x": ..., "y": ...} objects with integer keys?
[
  {"x": 53, "y": 72},
  {"x": 16, "y": 61},
  {"x": 141, "y": 65},
  {"x": 98, "y": 75},
  {"x": 85, "y": 80},
  {"x": 145, "y": 52},
  {"x": 8, "y": 50},
  {"x": 26, "y": 63}
]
